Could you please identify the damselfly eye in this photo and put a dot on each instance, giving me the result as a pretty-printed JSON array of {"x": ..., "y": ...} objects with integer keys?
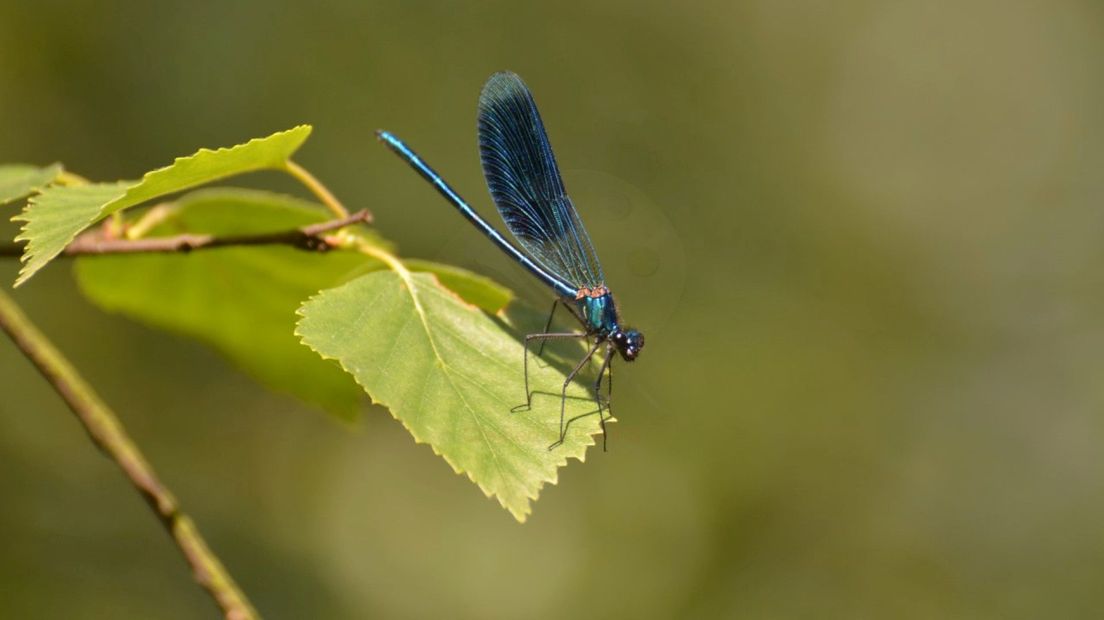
[
  {"x": 635, "y": 338},
  {"x": 628, "y": 343}
]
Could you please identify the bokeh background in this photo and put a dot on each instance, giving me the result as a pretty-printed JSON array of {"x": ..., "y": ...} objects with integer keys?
[{"x": 864, "y": 240}]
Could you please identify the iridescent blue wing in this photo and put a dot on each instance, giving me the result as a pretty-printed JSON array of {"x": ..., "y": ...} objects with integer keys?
[{"x": 525, "y": 183}]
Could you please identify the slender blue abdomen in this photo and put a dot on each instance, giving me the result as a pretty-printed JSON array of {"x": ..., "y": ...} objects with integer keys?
[{"x": 415, "y": 162}]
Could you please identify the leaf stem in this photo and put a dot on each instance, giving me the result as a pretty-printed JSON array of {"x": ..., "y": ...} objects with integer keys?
[
  {"x": 358, "y": 244},
  {"x": 145, "y": 222},
  {"x": 108, "y": 434},
  {"x": 317, "y": 188}
]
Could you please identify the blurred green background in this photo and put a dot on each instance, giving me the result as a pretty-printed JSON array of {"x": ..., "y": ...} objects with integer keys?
[{"x": 863, "y": 238}]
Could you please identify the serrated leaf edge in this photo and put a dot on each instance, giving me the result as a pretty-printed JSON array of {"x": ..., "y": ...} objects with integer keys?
[
  {"x": 521, "y": 515},
  {"x": 106, "y": 208}
]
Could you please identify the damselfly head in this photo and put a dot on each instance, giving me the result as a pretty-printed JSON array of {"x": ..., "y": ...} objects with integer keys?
[{"x": 628, "y": 343}]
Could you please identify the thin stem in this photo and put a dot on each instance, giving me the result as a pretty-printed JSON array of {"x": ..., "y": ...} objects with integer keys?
[
  {"x": 117, "y": 225},
  {"x": 311, "y": 238},
  {"x": 318, "y": 189},
  {"x": 108, "y": 434},
  {"x": 145, "y": 222},
  {"x": 358, "y": 244}
]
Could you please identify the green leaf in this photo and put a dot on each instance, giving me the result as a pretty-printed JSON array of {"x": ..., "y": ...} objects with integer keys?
[
  {"x": 451, "y": 375},
  {"x": 19, "y": 180},
  {"x": 50, "y": 220},
  {"x": 240, "y": 300},
  {"x": 53, "y": 218},
  {"x": 473, "y": 288}
]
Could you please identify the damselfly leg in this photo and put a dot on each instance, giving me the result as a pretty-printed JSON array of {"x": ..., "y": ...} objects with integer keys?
[
  {"x": 606, "y": 368},
  {"x": 525, "y": 364},
  {"x": 563, "y": 395},
  {"x": 551, "y": 314}
]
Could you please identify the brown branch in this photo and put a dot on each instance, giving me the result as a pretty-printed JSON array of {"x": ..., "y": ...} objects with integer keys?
[
  {"x": 108, "y": 435},
  {"x": 309, "y": 238}
]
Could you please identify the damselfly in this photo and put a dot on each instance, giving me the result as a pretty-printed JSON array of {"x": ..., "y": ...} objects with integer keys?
[{"x": 525, "y": 184}]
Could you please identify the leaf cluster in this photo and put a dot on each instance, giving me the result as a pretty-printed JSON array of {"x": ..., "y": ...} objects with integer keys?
[{"x": 430, "y": 342}]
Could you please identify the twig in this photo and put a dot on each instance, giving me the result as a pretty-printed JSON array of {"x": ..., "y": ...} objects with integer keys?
[
  {"x": 309, "y": 238},
  {"x": 109, "y": 436}
]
